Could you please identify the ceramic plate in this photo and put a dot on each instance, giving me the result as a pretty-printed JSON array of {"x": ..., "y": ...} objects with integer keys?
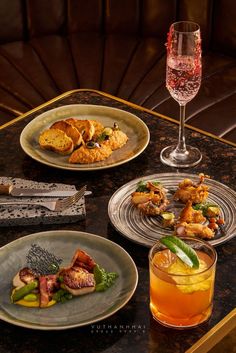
[
  {"x": 135, "y": 128},
  {"x": 79, "y": 311},
  {"x": 144, "y": 230}
]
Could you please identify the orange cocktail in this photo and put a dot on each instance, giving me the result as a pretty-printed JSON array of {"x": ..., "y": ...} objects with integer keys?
[{"x": 181, "y": 296}]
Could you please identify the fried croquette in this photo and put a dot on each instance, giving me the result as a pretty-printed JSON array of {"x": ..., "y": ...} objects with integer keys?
[
  {"x": 152, "y": 201},
  {"x": 85, "y": 155},
  {"x": 116, "y": 140},
  {"x": 190, "y": 215},
  {"x": 194, "y": 229},
  {"x": 98, "y": 128},
  {"x": 195, "y": 192}
]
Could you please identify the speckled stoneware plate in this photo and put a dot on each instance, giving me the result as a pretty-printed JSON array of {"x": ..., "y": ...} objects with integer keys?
[
  {"x": 135, "y": 128},
  {"x": 79, "y": 311},
  {"x": 146, "y": 230}
]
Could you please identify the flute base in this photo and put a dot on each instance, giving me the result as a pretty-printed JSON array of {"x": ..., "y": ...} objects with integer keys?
[{"x": 170, "y": 156}]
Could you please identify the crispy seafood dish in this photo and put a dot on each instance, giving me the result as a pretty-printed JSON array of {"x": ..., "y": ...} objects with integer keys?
[
  {"x": 195, "y": 192},
  {"x": 192, "y": 222},
  {"x": 85, "y": 141},
  {"x": 197, "y": 218},
  {"x": 150, "y": 198},
  {"x": 42, "y": 283}
]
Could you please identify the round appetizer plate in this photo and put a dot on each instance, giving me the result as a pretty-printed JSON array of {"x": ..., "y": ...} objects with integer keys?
[
  {"x": 146, "y": 230},
  {"x": 81, "y": 310},
  {"x": 136, "y": 130}
]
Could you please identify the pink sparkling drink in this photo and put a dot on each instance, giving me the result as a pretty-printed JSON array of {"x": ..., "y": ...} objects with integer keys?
[{"x": 183, "y": 78}]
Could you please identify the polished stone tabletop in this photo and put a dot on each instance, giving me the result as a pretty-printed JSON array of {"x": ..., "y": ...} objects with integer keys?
[{"x": 131, "y": 329}]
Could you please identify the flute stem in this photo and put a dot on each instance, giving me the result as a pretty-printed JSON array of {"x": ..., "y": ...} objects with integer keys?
[
  {"x": 181, "y": 146},
  {"x": 181, "y": 156}
]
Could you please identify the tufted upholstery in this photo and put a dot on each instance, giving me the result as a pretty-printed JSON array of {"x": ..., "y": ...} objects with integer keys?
[{"x": 116, "y": 46}]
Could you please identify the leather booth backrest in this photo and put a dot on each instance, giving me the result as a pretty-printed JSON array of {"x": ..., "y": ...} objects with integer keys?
[
  {"x": 224, "y": 26},
  {"x": 45, "y": 17},
  {"x": 11, "y": 21},
  {"x": 25, "y": 19},
  {"x": 199, "y": 11}
]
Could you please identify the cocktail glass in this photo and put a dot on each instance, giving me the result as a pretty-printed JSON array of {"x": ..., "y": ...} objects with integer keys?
[
  {"x": 181, "y": 296},
  {"x": 183, "y": 80}
]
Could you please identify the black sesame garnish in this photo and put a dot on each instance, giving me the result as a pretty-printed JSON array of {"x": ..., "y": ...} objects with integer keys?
[{"x": 41, "y": 261}]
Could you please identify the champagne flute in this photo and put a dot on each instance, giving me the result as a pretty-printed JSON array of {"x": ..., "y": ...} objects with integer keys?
[{"x": 183, "y": 79}]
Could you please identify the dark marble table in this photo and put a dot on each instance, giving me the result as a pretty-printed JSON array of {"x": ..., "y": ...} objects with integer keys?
[{"x": 131, "y": 329}]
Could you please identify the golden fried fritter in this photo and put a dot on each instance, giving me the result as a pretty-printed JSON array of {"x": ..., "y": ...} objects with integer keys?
[
  {"x": 117, "y": 139},
  {"x": 85, "y": 155},
  {"x": 194, "y": 230},
  {"x": 188, "y": 190},
  {"x": 189, "y": 215},
  {"x": 98, "y": 128},
  {"x": 151, "y": 202}
]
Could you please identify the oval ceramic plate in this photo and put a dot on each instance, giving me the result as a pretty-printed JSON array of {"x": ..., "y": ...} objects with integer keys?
[
  {"x": 135, "y": 128},
  {"x": 144, "y": 230},
  {"x": 79, "y": 311}
]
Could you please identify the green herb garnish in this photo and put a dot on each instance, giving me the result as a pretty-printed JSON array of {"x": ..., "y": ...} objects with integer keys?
[
  {"x": 62, "y": 296},
  {"x": 103, "y": 279},
  {"x": 105, "y": 135},
  {"x": 142, "y": 185},
  {"x": 204, "y": 207}
]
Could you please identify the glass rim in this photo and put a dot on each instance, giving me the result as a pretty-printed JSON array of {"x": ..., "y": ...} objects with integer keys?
[
  {"x": 209, "y": 246},
  {"x": 187, "y": 22}
]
